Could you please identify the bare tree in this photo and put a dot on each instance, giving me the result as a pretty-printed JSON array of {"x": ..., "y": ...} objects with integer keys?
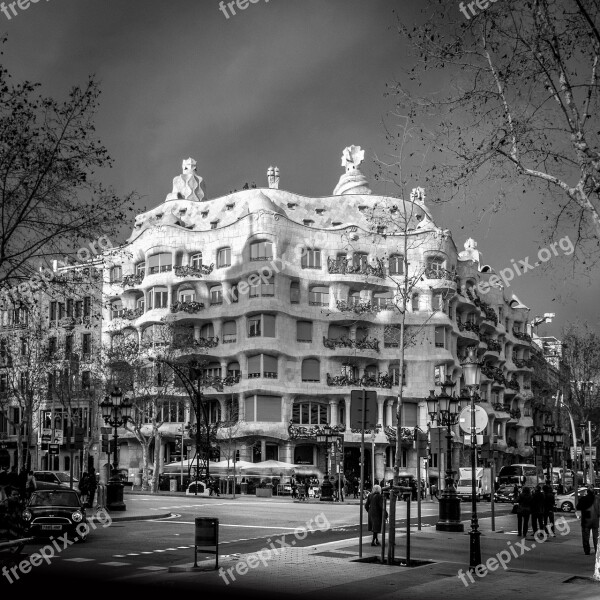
[
  {"x": 50, "y": 202},
  {"x": 518, "y": 107}
]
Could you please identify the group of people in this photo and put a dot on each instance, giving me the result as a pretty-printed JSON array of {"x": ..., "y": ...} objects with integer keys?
[
  {"x": 87, "y": 487},
  {"x": 23, "y": 481},
  {"x": 537, "y": 506}
]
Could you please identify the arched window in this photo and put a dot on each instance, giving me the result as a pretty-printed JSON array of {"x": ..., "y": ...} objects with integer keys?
[
  {"x": 229, "y": 332},
  {"x": 160, "y": 263},
  {"x": 233, "y": 369},
  {"x": 396, "y": 264},
  {"x": 116, "y": 309},
  {"x": 304, "y": 331},
  {"x": 187, "y": 295},
  {"x": 207, "y": 331},
  {"x": 371, "y": 371},
  {"x": 435, "y": 267},
  {"x": 223, "y": 258},
  {"x": 361, "y": 334},
  {"x": 196, "y": 260},
  {"x": 311, "y": 258},
  {"x": 116, "y": 274},
  {"x": 383, "y": 300},
  {"x": 318, "y": 296},
  {"x": 354, "y": 298},
  {"x": 261, "y": 251},
  {"x": 213, "y": 369},
  {"x": 157, "y": 297},
  {"x": 360, "y": 260},
  {"x": 337, "y": 332},
  {"x": 311, "y": 370},
  {"x": 140, "y": 304},
  {"x": 140, "y": 269},
  {"x": 216, "y": 294}
]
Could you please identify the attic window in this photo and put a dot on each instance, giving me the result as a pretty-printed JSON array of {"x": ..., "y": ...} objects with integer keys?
[
  {"x": 319, "y": 211},
  {"x": 182, "y": 211},
  {"x": 204, "y": 214},
  {"x": 336, "y": 223},
  {"x": 230, "y": 206},
  {"x": 308, "y": 222},
  {"x": 160, "y": 216},
  {"x": 362, "y": 208},
  {"x": 213, "y": 224},
  {"x": 292, "y": 205},
  {"x": 381, "y": 229}
]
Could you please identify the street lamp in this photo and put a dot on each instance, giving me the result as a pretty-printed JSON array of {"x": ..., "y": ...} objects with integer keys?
[
  {"x": 116, "y": 411},
  {"x": 472, "y": 374},
  {"x": 323, "y": 437},
  {"x": 446, "y": 410}
]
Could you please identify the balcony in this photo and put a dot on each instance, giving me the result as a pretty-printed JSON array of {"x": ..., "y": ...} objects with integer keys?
[
  {"x": 189, "y": 271},
  {"x": 345, "y": 342},
  {"x": 515, "y": 414},
  {"x": 493, "y": 345},
  {"x": 359, "y": 308},
  {"x": 494, "y": 373},
  {"x": 132, "y": 280},
  {"x": 441, "y": 274},
  {"x": 210, "y": 342},
  {"x": 131, "y": 314},
  {"x": 472, "y": 297},
  {"x": 489, "y": 312},
  {"x": 513, "y": 384},
  {"x": 343, "y": 266},
  {"x": 521, "y": 336},
  {"x": 468, "y": 326},
  {"x": 187, "y": 307},
  {"x": 382, "y": 380}
]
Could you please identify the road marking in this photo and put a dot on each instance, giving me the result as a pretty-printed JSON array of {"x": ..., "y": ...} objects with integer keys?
[
  {"x": 115, "y": 564},
  {"x": 129, "y": 554},
  {"x": 145, "y": 552},
  {"x": 231, "y": 525},
  {"x": 79, "y": 559},
  {"x": 152, "y": 568}
]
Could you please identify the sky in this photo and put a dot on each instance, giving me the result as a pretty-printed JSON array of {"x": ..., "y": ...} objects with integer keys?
[{"x": 289, "y": 83}]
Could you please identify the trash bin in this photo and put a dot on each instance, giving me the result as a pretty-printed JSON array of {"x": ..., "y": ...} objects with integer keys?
[{"x": 173, "y": 485}]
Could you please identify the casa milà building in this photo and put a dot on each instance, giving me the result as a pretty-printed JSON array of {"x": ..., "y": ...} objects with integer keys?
[{"x": 294, "y": 302}]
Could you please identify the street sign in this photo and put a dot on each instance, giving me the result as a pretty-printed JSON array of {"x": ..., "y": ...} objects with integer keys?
[
  {"x": 54, "y": 449},
  {"x": 356, "y": 416},
  {"x": 58, "y": 437},
  {"x": 46, "y": 436},
  {"x": 481, "y": 419},
  {"x": 78, "y": 438},
  {"x": 587, "y": 452}
]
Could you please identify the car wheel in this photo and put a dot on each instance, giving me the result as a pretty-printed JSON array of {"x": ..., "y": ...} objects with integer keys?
[{"x": 566, "y": 507}]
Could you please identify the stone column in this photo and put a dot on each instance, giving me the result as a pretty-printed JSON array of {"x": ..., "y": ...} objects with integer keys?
[
  {"x": 379, "y": 462},
  {"x": 389, "y": 418},
  {"x": 263, "y": 449},
  {"x": 288, "y": 453},
  {"x": 333, "y": 412},
  {"x": 380, "y": 402},
  {"x": 347, "y": 401},
  {"x": 242, "y": 407}
]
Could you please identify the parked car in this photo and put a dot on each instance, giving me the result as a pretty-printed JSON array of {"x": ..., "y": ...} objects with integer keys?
[
  {"x": 51, "y": 512},
  {"x": 54, "y": 479},
  {"x": 504, "y": 493},
  {"x": 566, "y": 502}
]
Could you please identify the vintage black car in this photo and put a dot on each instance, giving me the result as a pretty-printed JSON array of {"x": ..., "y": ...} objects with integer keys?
[
  {"x": 504, "y": 493},
  {"x": 53, "y": 512}
]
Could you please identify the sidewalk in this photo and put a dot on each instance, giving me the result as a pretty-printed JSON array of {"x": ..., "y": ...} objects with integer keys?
[{"x": 331, "y": 570}]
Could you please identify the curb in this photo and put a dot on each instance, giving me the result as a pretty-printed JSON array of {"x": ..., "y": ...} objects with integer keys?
[{"x": 151, "y": 517}]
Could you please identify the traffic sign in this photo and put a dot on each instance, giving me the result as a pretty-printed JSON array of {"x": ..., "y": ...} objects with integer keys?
[
  {"x": 46, "y": 436},
  {"x": 54, "y": 449},
  {"x": 357, "y": 421},
  {"x": 58, "y": 437},
  {"x": 481, "y": 419}
]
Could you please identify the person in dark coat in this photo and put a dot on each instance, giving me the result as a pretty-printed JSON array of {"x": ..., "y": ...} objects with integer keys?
[
  {"x": 549, "y": 508},
  {"x": 538, "y": 509},
  {"x": 524, "y": 511},
  {"x": 589, "y": 505},
  {"x": 374, "y": 506},
  {"x": 91, "y": 487}
]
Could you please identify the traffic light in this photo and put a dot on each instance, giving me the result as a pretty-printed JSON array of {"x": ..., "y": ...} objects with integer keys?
[{"x": 105, "y": 446}]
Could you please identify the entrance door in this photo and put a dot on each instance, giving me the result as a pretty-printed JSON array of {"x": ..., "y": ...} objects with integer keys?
[{"x": 352, "y": 463}]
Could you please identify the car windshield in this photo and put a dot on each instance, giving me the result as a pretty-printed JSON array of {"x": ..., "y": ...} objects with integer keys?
[
  {"x": 64, "y": 477},
  {"x": 52, "y": 498},
  {"x": 509, "y": 472}
]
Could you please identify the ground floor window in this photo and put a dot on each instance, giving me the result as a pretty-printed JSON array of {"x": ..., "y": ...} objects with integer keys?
[
  {"x": 272, "y": 452},
  {"x": 303, "y": 455}
]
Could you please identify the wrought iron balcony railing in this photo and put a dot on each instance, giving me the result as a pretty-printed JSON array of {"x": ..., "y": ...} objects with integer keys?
[{"x": 343, "y": 266}]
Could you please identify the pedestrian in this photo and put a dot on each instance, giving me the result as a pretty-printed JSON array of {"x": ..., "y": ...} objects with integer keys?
[
  {"x": 31, "y": 485},
  {"x": 516, "y": 492},
  {"x": 306, "y": 486},
  {"x": 91, "y": 487},
  {"x": 374, "y": 508},
  {"x": 524, "y": 511},
  {"x": 12, "y": 478},
  {"x": 560, "y": 489},
  {"x": 433, "y": 490},
  {"x": 549, "y": 508},
  {"x": 84, "y": 487},
  {"x": 294, "y": 489},
  {"x": 538, "y": 509},
  {"x": 355, "y": 487},
  {"x": 589, "y": 505}
]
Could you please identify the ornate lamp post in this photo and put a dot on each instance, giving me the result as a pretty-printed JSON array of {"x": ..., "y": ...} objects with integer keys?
[
  {"x": 446, "y": 410},
  {"x": 324, "y": 438},
  {"x": 472, "y": 374},
  {"x": 116, "y": 411}
]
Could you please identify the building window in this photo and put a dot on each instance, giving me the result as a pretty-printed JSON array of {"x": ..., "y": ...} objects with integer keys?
[
  {"x": 309, "y": 413},
  {"x": 360, "y": 260},
  {"x": 157, "y": 298},
  {"x": 261, "y": 326},
  {"x": 294, "y": 292},
  {"x": 395, "y": 373},
  {"x": 207, "y": 331},
  {"x": 160, "y": 263},
  {"x": 223, "y": 258},
  {"x": 86, "y": 343},
  {"x": 140, "y": 269},
  {"x": 229, "y": 332},
  {"x": 261, "y": 251},
  {"x": 87, "y": 306},
  {"x": 415, "y": 303},
  {"x": 440, "y": 337},
  {"x": 383, "y": 300},
  {"x": 264, "y": 287},
  {"x": 233, "y": 369},
  {"x": 439, "y": 374},
  {"x": 140, "y": 304},
  {"x": 52, "y": 346},
  {"x": 116, "y": 309},
  {"x": 68, "y": 346},
  {"x": 116, "y": 274},
  {"x": 78, "y": 309},
  {"x": 311, "y": 259},
  {"x": 86, "y": 380},
  {"x": 187, "y": 295},
  {"x": 216, "y": 294},
  {"x": 338, "y": 332},
  {"x": 354, "y": 298},
  {"x": 24, "y": 382},
  {"x": 304, "y": 331},
  {"x": 61, "y": 313},
  {"x": 3, "y": 383},
  {"x": 23, "y": 347},
  {"x": 263, "y": 365},
  {"x": 318, "y": 296},
  {"x": 438, "y": 302},
  {"x": 396, "y": 264},
  {"x": 69, "y": 307},
  {"x": 391, "y": 336},
  {"x": 196, "y": 261},
  {"x": 311, "y": 370},
  {"x": 263, "y": 408},
  {"x": 435, "y": 267}
]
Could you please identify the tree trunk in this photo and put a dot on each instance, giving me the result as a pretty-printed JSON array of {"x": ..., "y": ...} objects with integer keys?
[{"x": 157, "y": 449}]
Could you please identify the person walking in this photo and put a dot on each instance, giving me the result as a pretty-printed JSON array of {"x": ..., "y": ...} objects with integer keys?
[
  {"x": 523, "y": 511},
  {"x": 31, "y": 485},
  {"x": 538, "y": 508},
  {"x": 83, "y": 487},
  {"x": 355, "y": 487},
  {"x": 91, "y": 487},
  {"x": 374, "y": 508},
  {"x": 549, "y": 508},
  {"x": 589, "y": 505}
]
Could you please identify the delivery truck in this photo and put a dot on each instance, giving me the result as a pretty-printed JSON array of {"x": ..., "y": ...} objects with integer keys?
[{"x": 483, "y": 484}]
